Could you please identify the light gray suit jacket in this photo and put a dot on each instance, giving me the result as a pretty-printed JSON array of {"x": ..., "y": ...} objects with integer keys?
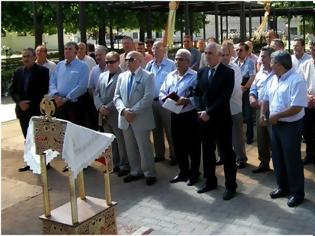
[
  {"x": 104, "y": 94},
  {"x": 140, "y": 100}
]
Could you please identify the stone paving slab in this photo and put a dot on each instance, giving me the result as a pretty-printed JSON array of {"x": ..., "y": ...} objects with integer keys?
[{"x": 165, "y": 208}]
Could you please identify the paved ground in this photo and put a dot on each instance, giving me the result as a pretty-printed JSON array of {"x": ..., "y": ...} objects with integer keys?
[{"x": 166, "y": 208}]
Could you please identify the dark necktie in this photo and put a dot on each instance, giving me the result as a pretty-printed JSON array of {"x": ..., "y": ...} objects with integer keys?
[
  {"x": 211, "y": 75},
  {"x": 27, "y": 74},
  {"x": 130, "y": 84}
]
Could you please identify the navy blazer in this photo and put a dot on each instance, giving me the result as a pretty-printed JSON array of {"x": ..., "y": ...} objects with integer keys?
[
  {"x": 214, "y": 96},
  {"x": 37, "y": 88}
]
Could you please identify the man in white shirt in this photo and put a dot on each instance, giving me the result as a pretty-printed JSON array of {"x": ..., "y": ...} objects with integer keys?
[
  {"x": 283, "y": 107},
  {"x": 41, "y": 59},
  {"x": 307, "y": 69},
  {"x": 83, "y": 57},
  {"x": 299, "y": 56}
]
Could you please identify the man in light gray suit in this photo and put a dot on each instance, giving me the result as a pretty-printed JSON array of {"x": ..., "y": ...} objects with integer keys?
[
  {"x": 108, "y": 115},
  {"x": 133, "y": 99}
]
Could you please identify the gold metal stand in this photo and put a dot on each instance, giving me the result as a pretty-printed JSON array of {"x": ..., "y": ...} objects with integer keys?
[{"x": 45, "y": 185}]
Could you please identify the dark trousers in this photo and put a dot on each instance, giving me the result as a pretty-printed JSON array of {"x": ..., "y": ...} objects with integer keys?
[
  {"x": 286, "y": 156},
  {"x": 70, "y": 111},
  {"x": 220, "y": 133},
  {"x": 24, "y": 122},
  {"x": 248, "y": 115},
  {"x": 309, "y": 132},
  {"x": 185, "y": 134}
]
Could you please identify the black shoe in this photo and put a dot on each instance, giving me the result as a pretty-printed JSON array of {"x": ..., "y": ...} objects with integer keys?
[
  {"x": 122, "y": 173},
  {"x": 219, "y": 162},
  {"x": 48, "y": 166},
  {"x": 207, "y": 187},
  {"x": 25, "y": 168},
  {"x": 241, "y": 164},
  {"x": 131, "y": 178},
  {"x": 228, "y": 194},
  {"x": 158, "y": 159},
  {"x": 249, "y": 141},
  {"x": 261, "y": 169},
  {"x": 116, "y": 169},
  {"x": 192, "y": 181},
  {"x": 150, "y": 180},
  {"x": 294, "y": 201},
  {"x": 277, "y": 193},
  {"x": 65, "y": 169},
  {"x": 308, "y": 160},
  {"x": 179, "y": 178}
]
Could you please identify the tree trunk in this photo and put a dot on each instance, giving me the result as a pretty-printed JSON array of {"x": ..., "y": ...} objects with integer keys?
[
  {"x": 59, "y": 19},
  {"x": 38, "y": 26},
  {"x": 111, "y": 36},
  {"x": 101, "y": 27},
  {"x": 82, "y": 21}
]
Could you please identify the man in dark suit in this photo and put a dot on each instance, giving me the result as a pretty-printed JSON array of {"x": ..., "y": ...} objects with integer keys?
[
  {"x": 29, "y": 85},
  {"x": 213, "y": 92}
]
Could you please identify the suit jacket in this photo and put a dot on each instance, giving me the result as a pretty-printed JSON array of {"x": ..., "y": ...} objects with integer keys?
[
  {"x": 104, "y": 93},
  {"x": 140, "y": 100},
  {"x": 37, "y": 88},
  {"x": 214, "y": 96}
]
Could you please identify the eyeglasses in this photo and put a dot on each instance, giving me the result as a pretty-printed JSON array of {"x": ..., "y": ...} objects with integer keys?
[
  {"x": 130, "y": 59},
  {"x": 179, "y": 59},
  {"x": 110, "y": 62}
]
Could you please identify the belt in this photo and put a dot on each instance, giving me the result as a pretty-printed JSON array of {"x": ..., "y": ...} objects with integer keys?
[{"x": 156, "y": 99}]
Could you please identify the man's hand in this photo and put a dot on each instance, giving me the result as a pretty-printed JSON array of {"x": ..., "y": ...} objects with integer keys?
[
  {"x": 244, "y": 88},
  {"x": 273, "y": 119},
  {"x": 24, "y": 105},
  {"x": 254, "y": 102},
  {"x": 104, "y": 110},
  {"x": 203, "y": 116},
  {"x": 59, "y": 101},
  {"x": 129, "y": 115},
  {"x": 182, "y": 101},
  {"x": 263, "y": 121},
  {"x": 310, "y": 101}
]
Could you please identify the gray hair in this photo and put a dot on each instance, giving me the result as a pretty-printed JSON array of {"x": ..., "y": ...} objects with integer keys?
[
  {"x": 103, "y": 48},
  {"x": 216, "y": 46},
  {"x": 185, "y": 53},
  {"x": 283, "y": 58}
]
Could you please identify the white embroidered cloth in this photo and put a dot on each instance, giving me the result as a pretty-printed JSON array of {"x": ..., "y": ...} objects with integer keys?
[{"x": 81, "y": 146}]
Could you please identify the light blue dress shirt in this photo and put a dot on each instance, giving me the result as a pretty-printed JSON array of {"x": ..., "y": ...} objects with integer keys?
[
  {"x": 183, "y": 86},
  {"x": 94, "y": 76},
  {"x": 160, "y": 73},
  {"x": 69, "y": 81},
  {"x": 247, "y": 68},
  {"x": 258, "y": 86},
  {"x": 284, "y": 92}
]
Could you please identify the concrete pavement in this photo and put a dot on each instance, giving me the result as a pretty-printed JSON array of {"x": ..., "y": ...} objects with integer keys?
[{"x": 165, "y": 208}]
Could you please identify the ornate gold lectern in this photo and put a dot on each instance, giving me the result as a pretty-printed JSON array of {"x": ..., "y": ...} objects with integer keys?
[{"x": 82, "y": 215}]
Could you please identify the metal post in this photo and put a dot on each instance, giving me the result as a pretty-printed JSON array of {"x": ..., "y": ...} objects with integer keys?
[
  {"x": 45, "y": 185},
  {"x": 108, "y": 196},
  {"x": 227, "y": 25},
  {"x": 216, "y": 21},
  {"x": 250, "y": 20},
  {"x": 221, "y": 28},
  {"x": 73, "y": 199},
  {"x": 81, "y": 185},
  {"x": 289, "y": 32}
]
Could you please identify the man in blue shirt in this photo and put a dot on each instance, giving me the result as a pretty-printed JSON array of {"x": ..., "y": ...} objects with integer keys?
[
  {"x": 284, "y": 99},
  {"x": 69, "y": 82},
  {"x": 160, "y": 67}
]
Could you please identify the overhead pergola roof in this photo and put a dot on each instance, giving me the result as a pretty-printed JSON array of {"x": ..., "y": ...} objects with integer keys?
[{"x": 230, "y": 8}]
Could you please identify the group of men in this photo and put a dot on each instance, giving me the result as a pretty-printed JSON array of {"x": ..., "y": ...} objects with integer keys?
[{"x": 130, "y": 92}]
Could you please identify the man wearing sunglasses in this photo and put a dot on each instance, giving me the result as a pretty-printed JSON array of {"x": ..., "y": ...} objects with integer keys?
[
  {"x": 108, "y": 115},
  {"x": 133, "y": 99}
]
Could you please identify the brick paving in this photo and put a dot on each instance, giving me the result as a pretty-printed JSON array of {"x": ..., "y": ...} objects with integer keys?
[{"x": 164, "y": 207}]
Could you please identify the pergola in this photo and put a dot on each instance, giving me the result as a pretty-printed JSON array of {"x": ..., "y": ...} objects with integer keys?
[{"x": 219, "y": 9}]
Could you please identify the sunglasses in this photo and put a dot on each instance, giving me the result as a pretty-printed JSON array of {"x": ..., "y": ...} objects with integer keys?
[
  {"x": 110, "y": 62},
  {"x": 179, "y": 59},
  {"x": 130, "y": 59},
  {"x": 239, "y": 50}
]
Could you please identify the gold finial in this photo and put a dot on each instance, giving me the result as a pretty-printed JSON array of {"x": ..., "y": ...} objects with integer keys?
[{"x": 47, "y": 107}]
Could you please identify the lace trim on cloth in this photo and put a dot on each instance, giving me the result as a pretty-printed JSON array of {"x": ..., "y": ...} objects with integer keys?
[{"x": 81, "y": 147}]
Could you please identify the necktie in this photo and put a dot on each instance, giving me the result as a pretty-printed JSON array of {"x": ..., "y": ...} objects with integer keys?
[
  {"x": 27, "y": 74},
  {"x": 130, "y": 84},
  {"x": 211, "y": 75}
]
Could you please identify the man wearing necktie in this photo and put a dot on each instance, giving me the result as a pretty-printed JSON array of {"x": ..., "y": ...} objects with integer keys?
[
  {"x": 29, "y": 85},
  {"x": 213, "y": 91},
  {"x": 133, "y": 99}
]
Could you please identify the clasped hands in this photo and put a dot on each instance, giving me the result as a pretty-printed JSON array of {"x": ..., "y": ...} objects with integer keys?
[
  {"x": 203, "y": 116},
  {"x": 129, "y": 115},
  {"x": 273, "y": 119},
  {"x": 104, "y": 111},
  {"x": 59, "y": 100}
]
